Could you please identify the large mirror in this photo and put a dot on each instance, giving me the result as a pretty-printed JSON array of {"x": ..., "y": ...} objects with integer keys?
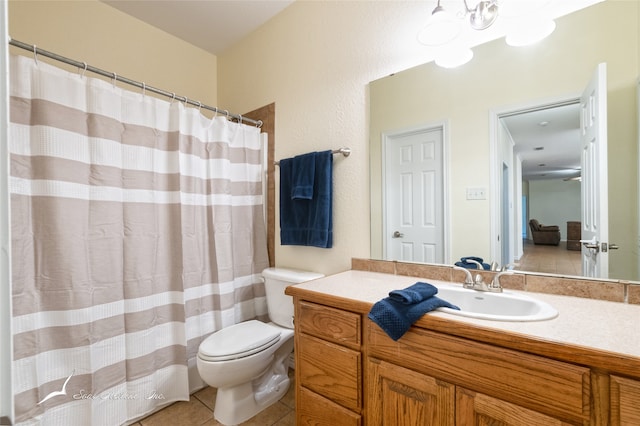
[{"x": 463, "y": 107}]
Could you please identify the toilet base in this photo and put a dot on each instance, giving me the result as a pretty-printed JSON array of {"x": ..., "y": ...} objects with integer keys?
[{"x": 237, "y": 404}]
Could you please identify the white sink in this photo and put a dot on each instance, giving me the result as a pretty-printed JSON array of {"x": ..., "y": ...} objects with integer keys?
[{"x": 505, "y": 306}]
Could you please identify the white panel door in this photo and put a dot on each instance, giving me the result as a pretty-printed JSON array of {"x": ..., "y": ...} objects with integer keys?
[
  {"x": 414, "y": 203},
  {"x": 595, "y": 202}
]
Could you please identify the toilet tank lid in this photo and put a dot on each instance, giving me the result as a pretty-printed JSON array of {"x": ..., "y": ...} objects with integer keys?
[
  {"x": 239, "y": 338},
  {"x": 293, "y": 276}
]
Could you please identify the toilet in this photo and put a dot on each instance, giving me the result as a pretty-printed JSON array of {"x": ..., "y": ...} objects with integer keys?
[{"x": 248, "y": 362}]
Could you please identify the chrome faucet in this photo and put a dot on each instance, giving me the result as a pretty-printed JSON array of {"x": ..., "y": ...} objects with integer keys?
[
  {"x": 478, "y": 283},
  {"x": 495, "y": 283}
]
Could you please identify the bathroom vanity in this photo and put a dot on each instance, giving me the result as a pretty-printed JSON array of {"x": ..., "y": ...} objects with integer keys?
[{"x": 580, "y": 368}]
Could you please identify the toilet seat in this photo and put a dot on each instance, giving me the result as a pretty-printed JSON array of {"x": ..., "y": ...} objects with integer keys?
[{"x": 238, "y": 341}]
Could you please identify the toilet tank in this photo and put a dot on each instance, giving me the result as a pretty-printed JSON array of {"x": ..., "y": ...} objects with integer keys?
[{"x": 280, "y": 305}]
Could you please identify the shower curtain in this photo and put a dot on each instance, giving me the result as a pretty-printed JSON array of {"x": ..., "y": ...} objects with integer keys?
[{"x": 137, "y": 231}]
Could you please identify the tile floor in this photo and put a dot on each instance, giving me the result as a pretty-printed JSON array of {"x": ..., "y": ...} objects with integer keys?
[
  {"x": 550, "y": 259},
  {"x": 199, "y": 411}
]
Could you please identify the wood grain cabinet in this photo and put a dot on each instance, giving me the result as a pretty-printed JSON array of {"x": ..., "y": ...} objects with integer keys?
[
  {"x": 493, "y": 386},
  {"x": 399, "y": 396},
  {"x": 349, "y": 372},
  {"x": 625, "y": 401},
  {"x": 328, "y": 362}
]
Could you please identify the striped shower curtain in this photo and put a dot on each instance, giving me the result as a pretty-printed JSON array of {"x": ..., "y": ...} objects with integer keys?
[{"x": 137, "y": 231}]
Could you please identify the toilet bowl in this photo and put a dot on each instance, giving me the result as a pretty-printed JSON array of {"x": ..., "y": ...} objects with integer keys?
[{"x": 248, "y": 362}]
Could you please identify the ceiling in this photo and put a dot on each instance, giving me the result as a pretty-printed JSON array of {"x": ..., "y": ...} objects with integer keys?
[
  {"x": 547, "y": 141},
  {"x": 212, "y": 25},
  {"x": 216, "y": 25}
]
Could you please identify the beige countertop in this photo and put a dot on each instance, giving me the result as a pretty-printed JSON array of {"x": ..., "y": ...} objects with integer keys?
[{"x": 594, "y": 324}]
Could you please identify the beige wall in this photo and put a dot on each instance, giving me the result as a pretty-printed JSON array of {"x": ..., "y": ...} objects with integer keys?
[
  {"x": 106, "y": 38},
  {"x": 315, "y": 61}
]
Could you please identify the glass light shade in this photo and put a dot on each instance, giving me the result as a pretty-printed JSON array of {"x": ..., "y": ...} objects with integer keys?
[
  {"x": 441, "y": 28},
  {"x": 452, "y": 58},
  {"x": 530, "y": 32}
]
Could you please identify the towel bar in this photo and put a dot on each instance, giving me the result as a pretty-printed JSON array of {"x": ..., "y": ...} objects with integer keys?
[{"x": 344, "y": 151}]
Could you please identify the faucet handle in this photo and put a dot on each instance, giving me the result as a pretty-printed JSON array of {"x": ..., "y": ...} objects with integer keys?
[
  {"x": 495, "y": 283},
  {"x": 468, "y": 280}
]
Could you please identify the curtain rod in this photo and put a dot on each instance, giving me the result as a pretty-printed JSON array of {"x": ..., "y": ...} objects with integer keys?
[{"x": 83, "y": 65}]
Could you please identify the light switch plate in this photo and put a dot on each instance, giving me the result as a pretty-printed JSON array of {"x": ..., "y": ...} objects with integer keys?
[{"x": 476, "y": 194}]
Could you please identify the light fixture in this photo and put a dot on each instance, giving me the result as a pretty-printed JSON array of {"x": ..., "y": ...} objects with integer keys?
[
  {"x": 483, "y": 15},
  {"x": 452, "y": 58},
  {"x": 442, "y": 27}
]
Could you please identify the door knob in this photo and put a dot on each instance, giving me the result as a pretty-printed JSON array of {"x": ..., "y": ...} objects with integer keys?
[
  {"x": 592, "y": 244},
  {"x": 398, "y": 234}
]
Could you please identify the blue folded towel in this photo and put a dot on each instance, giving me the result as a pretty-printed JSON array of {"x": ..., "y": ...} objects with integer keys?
[
  {"x": 302, "y": 176},
  {"x": 396, "y": 318},
  {"x": 413, "y": 294},
  {"x": 307, "y": 222},
  {"x": 463, "y": 263}
]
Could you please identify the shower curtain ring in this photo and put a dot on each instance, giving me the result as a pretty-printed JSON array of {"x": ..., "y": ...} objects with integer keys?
[
  {"x": 226, "y": 113},
  {"x": 173, "y": 98},
  {"x": 144, "y": 89},
  {"x": 35, "y": 54},
  {"x": 199, "y": 106},
  {"x": 240, "y": 118},
  {"x": 115, "y": 79},
  {"x": 259, "y": 124},
  {"x": 186, "y": 102},
  {"x": 84, "y": 70}
]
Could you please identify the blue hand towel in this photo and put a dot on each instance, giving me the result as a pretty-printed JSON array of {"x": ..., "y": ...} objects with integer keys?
[
  {"x": 307, "y": 222},
  {"x": 463, "y": 263},
  {"x": 303, "y": 175},
  {"x": 413, "y": 294},
  {"x": 396, "y": 318}
]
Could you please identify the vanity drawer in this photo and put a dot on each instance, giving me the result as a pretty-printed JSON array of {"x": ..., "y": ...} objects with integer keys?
[
  {"x": 541, "y": 384},
  {"x": 330, "y": 370},
  {"x": 330, "y": 324},
  {"x": 313, "y": 409}
]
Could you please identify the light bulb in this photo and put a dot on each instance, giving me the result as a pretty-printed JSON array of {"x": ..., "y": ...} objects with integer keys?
[
  {"x": 441, "y": 28},
  {"x": 452, "y": 58}
]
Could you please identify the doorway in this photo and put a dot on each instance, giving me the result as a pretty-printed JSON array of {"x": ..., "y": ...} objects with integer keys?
[{"x": 538, "y": 159}]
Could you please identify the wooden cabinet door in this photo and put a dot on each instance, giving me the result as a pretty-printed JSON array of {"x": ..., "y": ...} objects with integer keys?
[
  {"x": 625, "y": 401},
  {"x": 477, "y": 409},
  {"x": 398, "y": 396}
]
